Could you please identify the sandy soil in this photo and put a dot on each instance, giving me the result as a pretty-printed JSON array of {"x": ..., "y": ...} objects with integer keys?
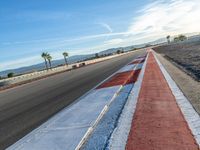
[
  {"x": 185, "y": 55},
  {"x": 186, "y": 83}
]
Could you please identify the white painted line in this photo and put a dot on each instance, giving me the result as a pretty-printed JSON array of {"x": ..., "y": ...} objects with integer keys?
[
  {"x": 131, "y": 67},
  {"x": 66, "y": 129},
  {"x": 120, "y": 135},
  {"x": 139, "y": 66},
  {"x": 105, "y": 109},
  {"x": 84, "y": 139},
  {"x": 191, "y": 116},
  {"x": 138, "y": 59},
  {"x": 127, "y": 68}
]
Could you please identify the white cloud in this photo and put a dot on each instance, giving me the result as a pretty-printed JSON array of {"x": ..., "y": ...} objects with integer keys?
[
  {"x": 157, "y": 20},
  {"x": 20, "y": 62},
  {"x": 64, "y": 40},
  {"x": 153, "y": 21},
  {"x": 27, "y": 61},
  {"x": 160, "y": 18},
  {"x": 105, "y": 25},
  {"x": 172, "y": 17},
  {"x": 114, "y": 41}
]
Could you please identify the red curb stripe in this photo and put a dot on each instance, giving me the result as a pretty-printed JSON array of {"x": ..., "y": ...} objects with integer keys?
[
  {"x": 117, "y": 79},
  {"x": 134, "y": 78},
  {"x": 158, "y": 123},
  {"x": 122, "y": 78}
]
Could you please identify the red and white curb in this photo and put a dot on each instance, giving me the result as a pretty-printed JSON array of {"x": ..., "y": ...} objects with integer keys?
[
  {"x": 158, "y": 122},
  {"x": 189, "y": 113},
  {"x": 121, "y": 78},
  {"x": 70, "y": 128},
  {"x": 120, "y": 135}
]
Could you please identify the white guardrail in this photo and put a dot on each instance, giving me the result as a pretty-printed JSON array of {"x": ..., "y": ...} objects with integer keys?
[{"x": 36, "y": 74}]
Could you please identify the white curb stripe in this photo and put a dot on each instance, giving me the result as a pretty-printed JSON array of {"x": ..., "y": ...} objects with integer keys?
[
  {"x": 120, "y": 135},
  {"x": 139, "y": 66},
  {"x": 139, "y": 59},
  {"x": 127, "y": 68},
  {"x": 67, "y": 128},
  {"x": 90, "y": 130},
  {"x": 84, "y": 139},
  {"x": 189, "y": 113}
]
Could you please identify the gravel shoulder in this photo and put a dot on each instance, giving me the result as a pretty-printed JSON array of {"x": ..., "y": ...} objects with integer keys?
[
  {"x": 189, "y": 86},
  {"x": 185, "y": 55}
]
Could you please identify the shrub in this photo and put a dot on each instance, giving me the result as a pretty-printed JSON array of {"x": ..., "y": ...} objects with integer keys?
[
  {"x": 97, "y": 55},
  {"x": 11, "y": 74},
  {"x": 74, "y": 66},
  {"x": 180, "y": 38},
  {"x": 118, "y": 51}
]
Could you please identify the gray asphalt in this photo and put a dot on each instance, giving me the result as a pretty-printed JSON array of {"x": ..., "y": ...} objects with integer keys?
[{"x": 24, "y": 108}]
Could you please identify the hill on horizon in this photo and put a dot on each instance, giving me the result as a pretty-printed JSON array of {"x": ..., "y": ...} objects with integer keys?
[
  {"x": 41, "y": 66},
  {"x": 76, "y": 58},
  {"x": 71, "y": 59}
]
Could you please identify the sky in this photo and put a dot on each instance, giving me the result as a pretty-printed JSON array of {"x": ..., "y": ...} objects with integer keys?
[{"x": 28, "y": 28}]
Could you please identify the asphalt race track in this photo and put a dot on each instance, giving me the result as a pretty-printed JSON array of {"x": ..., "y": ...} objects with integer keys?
[{"x": 24, "y": 108}]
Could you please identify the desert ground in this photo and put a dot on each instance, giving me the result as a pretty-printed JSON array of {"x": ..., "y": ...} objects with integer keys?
[{"x": 185, "y": 55}]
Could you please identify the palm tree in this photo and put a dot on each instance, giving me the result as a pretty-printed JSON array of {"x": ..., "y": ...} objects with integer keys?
[
  {"x": 97, "y": 55},
  {"x": 182, "y": 37},
  {"x": 65, "y": 54},
  {"x": 118, "y": 51},
  {"x": 44, "y": 55},
  {"x": 168, "y": 39},
  {"x": 176, "y": 39},
  {"x": 49, "y": 58}
]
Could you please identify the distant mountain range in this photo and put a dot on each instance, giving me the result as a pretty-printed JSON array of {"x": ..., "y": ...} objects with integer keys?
[
  {"x": 77, "y": 58},
  {"x": 71, "y": 59},
  {"x": 41, "y": 66}
]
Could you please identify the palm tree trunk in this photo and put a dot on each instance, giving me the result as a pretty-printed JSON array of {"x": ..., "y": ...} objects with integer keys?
[
  {"x": 46, "y": 64},
  {"x": 66, "y": 61},
  {"x": 49, "y": 63}
]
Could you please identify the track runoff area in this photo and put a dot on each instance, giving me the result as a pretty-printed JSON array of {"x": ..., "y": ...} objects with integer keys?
[{"x": 137, "y": 108}]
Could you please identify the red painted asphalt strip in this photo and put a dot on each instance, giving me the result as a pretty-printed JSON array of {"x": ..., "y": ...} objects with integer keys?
[
  {"x": 121, "y": 78},
  {"x": 158, "y": 123},
  {"x": 117, "y": 79}
]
